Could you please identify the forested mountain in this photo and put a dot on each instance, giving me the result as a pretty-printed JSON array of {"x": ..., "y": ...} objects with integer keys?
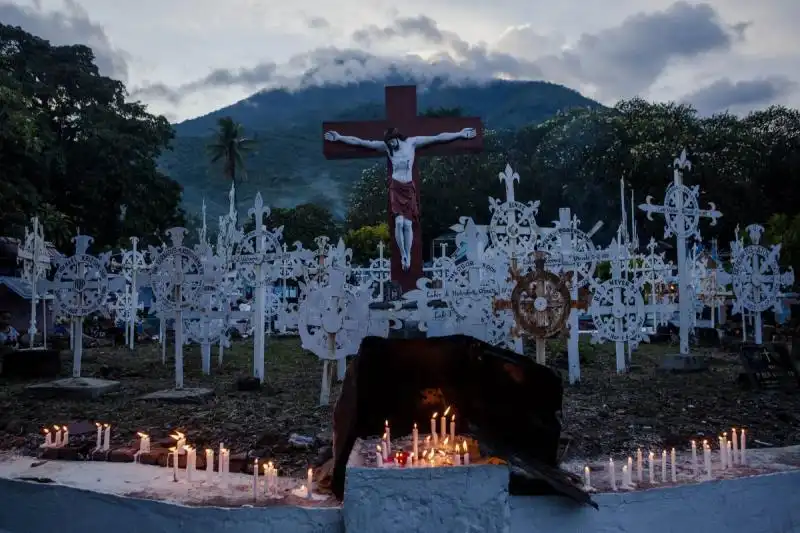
[{"x": 287, "y": 165}]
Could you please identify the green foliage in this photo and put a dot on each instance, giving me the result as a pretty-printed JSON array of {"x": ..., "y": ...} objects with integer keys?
[
  {"x": 784, "y": 230},
  {"x": 229, "y": 146},
  {"x": 301, "y": 224},
  {"x": 74, "y": 151},
  {"x": 364, "y": 242},
  {"x": 746, "y": 166}
]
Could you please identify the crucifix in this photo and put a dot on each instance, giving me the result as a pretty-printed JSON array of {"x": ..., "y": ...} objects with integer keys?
[{"x": 401, "y": 137}]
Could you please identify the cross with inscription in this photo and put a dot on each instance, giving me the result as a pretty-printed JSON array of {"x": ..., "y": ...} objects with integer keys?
[{"x": 401, "y": 137}]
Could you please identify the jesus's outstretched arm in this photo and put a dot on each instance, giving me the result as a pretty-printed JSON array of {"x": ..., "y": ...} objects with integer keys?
[
  {"x": 333, "y": 136},
  {"x": 425, "y": 140}
]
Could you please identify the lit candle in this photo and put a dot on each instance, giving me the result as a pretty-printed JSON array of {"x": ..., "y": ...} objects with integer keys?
[
  {"x": 707, "y": 458},
  {"x": 612, "y": 474},
  {"x": 630, "y": 470},
  {"x": 191, "y": 459},
  {"x": 106, "y": 437},
  {"x": 255, "y": 479},
  {"x": 722, "y": 452},
  {"x": 587, "y": 479},
  {"x": 663, "y": 466},
  {"x": 466, "y": 452},
  {"x": 650, "y": 460},
  {"x": 453, "y": 429},
  {"x": 48, "y": 438},
  {"x": 209, "y": 465},
  {"x": 379, "y": 455},
  {"x": 743, "y": 449},
  {"x": 415, "y": 440},
  {"x": 735, "y": 442},
  {"x": 387, "y": 445},
  {"x": 57, "y": 443},
  {"x": 65, "y": 436},
  {"x": 456, "y": 455},
  {"x": 224, "y": 457},
  {"x": 626, "y": 474},
  {"x": 672, "y": 464},
  {"x": 639, "y": 473},
  {"x": 444, "y": 422},
  {"x": 694, "y": 458},
  {"x": 730, "y": 454},
  {"x": 387, "y": 430},
  {"x": 99, "y": 444},
  {"x": 269, "y": 474},
  {"x": 433, "y": 429},
  {"x": 144, "y": 443},
  {"x": 174, "y": 463},
  {"x": 310, "y": 481},
  {"x": 385, "y": 451}
]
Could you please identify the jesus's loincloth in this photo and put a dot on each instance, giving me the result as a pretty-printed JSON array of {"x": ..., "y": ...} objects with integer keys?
[{"x": 403, "y": 199}]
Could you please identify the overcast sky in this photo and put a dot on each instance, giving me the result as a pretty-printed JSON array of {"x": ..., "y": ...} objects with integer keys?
[{"x": 187, "y": 57}]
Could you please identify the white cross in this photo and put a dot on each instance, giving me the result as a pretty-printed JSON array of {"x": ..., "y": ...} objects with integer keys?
[
  {"x": 682, "y": 215},
  {"x": 508, "y": 176}
]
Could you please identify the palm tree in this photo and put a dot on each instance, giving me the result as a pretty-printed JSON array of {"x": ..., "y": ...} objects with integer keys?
[{"x": 230, "y": 146}]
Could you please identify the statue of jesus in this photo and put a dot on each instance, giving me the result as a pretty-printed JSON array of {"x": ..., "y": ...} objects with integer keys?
[{"x": 403, "y": 200}]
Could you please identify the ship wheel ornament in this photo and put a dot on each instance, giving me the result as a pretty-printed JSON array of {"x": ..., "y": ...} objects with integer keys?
[
  {"x": 81, "y": 282},
  {"x": 176, "y": 274},
  {"x": 512, "y": 229},
  {"x": 540, "y": 301},
  {"x": 757, "y": 279}
]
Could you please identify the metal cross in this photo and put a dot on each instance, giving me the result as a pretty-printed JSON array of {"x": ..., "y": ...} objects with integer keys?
[{"x": 682, "y": 214}]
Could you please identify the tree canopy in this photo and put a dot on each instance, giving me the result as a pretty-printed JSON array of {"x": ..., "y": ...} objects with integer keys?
[
  {"x": 74, "y": 151},
  {"x": 747, "y": 166}
]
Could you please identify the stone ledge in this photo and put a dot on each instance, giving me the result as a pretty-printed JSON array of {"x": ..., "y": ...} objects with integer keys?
[
  {"x": 427, "y": 500},
  {"x": 39, "y": 508}
]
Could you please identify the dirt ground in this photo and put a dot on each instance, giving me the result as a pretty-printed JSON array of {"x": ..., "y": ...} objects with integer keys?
[{"x": 605, "y": 414}]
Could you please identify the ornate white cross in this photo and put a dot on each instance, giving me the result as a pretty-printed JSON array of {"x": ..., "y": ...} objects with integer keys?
[
  {"x": 682, "y": 213},
  {"x": 32, "y": 253},
  {"x": 513, "y": 229}
]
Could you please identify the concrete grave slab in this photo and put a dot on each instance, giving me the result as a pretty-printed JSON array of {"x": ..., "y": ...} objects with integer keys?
[
  {"x": 80, "y": 388},
  {"x": 190, "y": 395}
]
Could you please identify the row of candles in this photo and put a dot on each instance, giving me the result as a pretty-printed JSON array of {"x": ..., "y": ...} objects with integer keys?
[
  {"x": 59, "y": 437},
  {"x": 731, "y": 452},
  {"x": 459, "y": 453}
]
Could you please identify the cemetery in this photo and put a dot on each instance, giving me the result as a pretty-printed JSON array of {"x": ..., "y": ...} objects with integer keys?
[{"x": 463, "y": 395}]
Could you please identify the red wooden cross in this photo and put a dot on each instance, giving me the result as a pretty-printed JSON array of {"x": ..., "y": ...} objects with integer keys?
[{"x": 401, "y": 113}]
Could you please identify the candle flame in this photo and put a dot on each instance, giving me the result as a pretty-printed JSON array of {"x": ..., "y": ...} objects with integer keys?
[
  {"x": 266, "y": 469},
  {"x": 586, "y": 469},
  {"x": 445, "y": 441},
  {"x": 379, "y": 448},
  {"x": 705, "y": 442},
  {"x": 98, "y": 424},
  {"x": 57, "y": 428},
  {"x": 106, "y": 425},
  {"x": 446, "y": 411},
  {"x": 46, "y": 430},
  {"x": 673, "y": 450},
  {"x": 179, "y": 436},
  {"x": 386, "y": 423},
  {"x": 173, "y": 449},
  {"x": 415, "y": 425},
  {"x": 453, "y": 418},
  {"x": 209, "y": 450},
  {"x": 310, "y": 471},
  {"x": 270, "y": 464},
  {"x": 384, "y": 436},
  {"x": 434, "y": 414},
  {"x": 652, "y": 455},
  {"x": 142, "y": 435}
]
